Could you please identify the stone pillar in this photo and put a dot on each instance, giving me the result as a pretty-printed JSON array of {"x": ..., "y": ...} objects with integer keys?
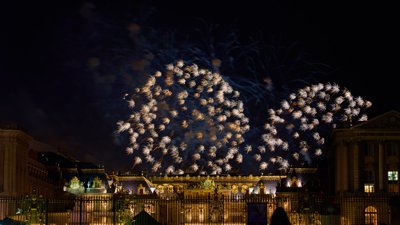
[
  {"x": 341, "y": 165},
  {"x": 381, "y": 174},
  {"x": 338, "y": 182},
  {"x": 9, "y": 167},
  {"x": 345, "y": 167},
  {"x": 13, "y": 151},
  {"x": 14, "y": 146},
  {"x": 2, "y": 152},
  {"x": 355, "y": 170}
]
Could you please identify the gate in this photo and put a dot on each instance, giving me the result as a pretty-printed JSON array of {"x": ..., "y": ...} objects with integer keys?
[{"x": 107, "y": 209}]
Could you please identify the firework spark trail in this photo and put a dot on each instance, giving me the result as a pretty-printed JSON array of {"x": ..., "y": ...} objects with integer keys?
[
  {"x": 185, "y": 120},
  {"x": 298, "y": 127}
]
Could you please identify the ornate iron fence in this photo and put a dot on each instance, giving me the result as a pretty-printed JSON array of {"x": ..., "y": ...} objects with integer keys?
[{"x": 302, "y": 208}]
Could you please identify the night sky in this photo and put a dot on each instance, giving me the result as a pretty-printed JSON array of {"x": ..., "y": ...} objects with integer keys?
[{"x": 64, "y": 65}]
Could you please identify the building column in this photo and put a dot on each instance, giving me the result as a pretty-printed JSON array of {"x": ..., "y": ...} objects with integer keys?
[
  {"x": 355, "y": 170},
  {"x": 381, "y": 174},
  {"x": 338, "y": 181},
  {"x": 6, "y": 165},
  {"x": 14, "y": 169},
  {"x": 341, "y": 164},
  {"x": 2, "y": 157},
  {"x": 9, "y": 168},
  {"x": 345, "y": 167}
]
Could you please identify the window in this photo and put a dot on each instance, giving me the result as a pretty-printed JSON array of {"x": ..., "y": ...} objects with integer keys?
[
  {"x": 369, "y": 188},
  {"x": 140, "y": 189},
  {"x": 74, "y": 183},
  {"x": 160, "y": 189},
  {"x": 369, "y": 176},
  {"x": 234, "y": 189},
  {"x": 262, "y": 189},
  {"x": 393, "y": 176},
  {"x": 294, "y": 182},
  {"x": 393, "y": 149},
  {"x": 371, "y": 216},
  {"x": 393, "y": 187},
  {"x": 96, "y": 182},
  {"x": 369, "y": 150},
  {"x": 201, "y": 214}
]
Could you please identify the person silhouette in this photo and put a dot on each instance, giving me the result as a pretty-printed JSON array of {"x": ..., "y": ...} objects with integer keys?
[{"x": 279, "y": 217}]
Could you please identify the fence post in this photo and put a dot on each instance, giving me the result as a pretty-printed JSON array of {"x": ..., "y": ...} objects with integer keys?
[
  {"x": 182, "y": 212},
  {"x": 46, "y": 217},
  {"x": 209, "y": 209},
  {"x": 114, "y": 211},
  {"x": 223, "y": 209},
  {"x": 80, "y": 210}
]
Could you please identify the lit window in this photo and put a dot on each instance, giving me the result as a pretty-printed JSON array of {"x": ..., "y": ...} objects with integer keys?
[
  {"x": 201, "y": 215},
  {"x": 160, "y": 189},
  {"x": 96, "y": 182},
  {"x": 235, "y": 189},
  {"x": 369, "y": 188},
  {"x": 140, "y": 189},
  {"x": 262, "y": 188},
  {"x": 74, "y": 183},
  {"x": 371, "y": 215},
  {"x": 393, "y": 175}
]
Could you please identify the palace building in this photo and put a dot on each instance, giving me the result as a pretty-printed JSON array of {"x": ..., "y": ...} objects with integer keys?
[
  {"x": 367, "y": 163},
  {"x": 358, "y": 184},
  {"x": 20, "y": 169}
]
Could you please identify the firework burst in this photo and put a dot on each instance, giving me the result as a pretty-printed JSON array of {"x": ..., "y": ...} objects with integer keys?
[
  {"x": 185, "y": 120},
  {"x": 299, "y": 126}
]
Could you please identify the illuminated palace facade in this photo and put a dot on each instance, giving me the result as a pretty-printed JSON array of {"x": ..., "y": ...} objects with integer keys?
[
  {"x": 366, "y": 170},
  {"x": 358, "y": 184}
]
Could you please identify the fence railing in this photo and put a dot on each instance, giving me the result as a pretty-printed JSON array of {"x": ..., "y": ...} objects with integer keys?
[{"x": 302, "y": 208}]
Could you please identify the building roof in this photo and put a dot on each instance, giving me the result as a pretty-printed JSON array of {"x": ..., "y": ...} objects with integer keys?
[
  {"x": 143, "y": 218},
  {"x": 269, "y": 186},
  {"x": 388, "y": 120},
  {"x": 132, "y": 183},
  {"x": 9, "y": 221},
  {"x": 55, "y": 159}
]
